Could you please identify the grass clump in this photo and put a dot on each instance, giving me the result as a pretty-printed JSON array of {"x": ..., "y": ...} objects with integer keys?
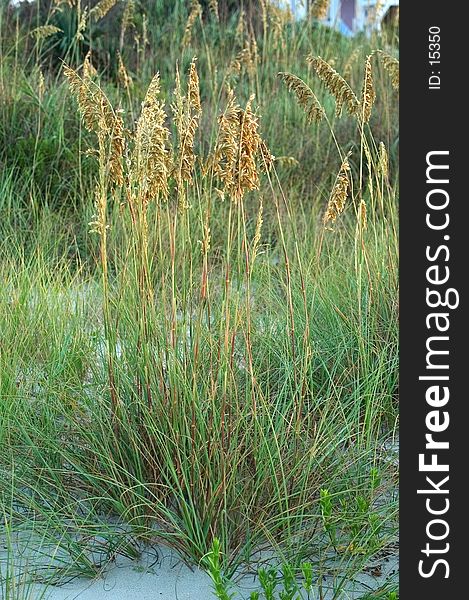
[{"x": 191, "y": 354}]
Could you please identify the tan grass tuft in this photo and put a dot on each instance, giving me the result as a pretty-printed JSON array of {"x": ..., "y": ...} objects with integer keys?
[
  {"x": 338, "y": 197},
  {"x": 305, "y": 96},
  {"x": 336, "y": 84}
]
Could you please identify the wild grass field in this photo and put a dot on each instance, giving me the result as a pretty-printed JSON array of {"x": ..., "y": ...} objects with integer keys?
[{"x": 199, "y": 294}]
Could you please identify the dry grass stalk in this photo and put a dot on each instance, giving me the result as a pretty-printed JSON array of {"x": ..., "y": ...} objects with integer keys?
[
  {"x": 45, "y": 31},
  {"x": 368, "y": 91},
  {"x": 205, "y": 242},
  {"x": 82, "y": 24},
  {"x": 240, "y": 28},
  {"x": 278, "y": 18},
  {"x": 41, "y": 86},
  {"x": 374, "y": 13},
  {"x": 352, "y": 59},
  {"x": 128, "y": 15},
  {"x": 338, "y": 197},
  {"x": 391, "y": 65},
  {"x": 371, "y": 169},
  {"x": 257, "y": 235},
  {"x": 98, "y": 224},
  {"x": 305, "y": 96},
  {"x": 194, "y": 88},
  {"x": 363, "y": 222},
  {"x": 122, "y": 74},
  {"x": 238, "y": 149},
  {"x": 319, "y": 9},
  {"x": 195, "y": 13},
  {"x": 99, "y": 117},
  {"x": 127, "y": 21},
  {"x": 336, "y": 84}
]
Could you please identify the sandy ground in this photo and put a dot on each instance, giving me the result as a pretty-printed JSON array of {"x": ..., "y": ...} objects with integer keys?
[
  {"x": 161, "y": 574},
  {"x": 169, "y": 579}
]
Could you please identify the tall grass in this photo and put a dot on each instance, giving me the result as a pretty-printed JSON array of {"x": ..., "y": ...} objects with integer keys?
[{"x": 217, "y": 358}]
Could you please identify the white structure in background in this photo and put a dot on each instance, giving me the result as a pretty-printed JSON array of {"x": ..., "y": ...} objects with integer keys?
[{"x": 348, "y": 16}]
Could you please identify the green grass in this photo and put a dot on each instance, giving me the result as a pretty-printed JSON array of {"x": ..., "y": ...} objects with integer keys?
[{"x": 254, "y": 413}]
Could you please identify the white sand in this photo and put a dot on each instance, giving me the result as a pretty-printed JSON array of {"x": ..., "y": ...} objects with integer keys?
[{"x": 170, "y": 579}]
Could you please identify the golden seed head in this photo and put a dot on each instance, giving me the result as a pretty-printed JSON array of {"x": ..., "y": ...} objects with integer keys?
[
  {"x": 362, "y": 215},
  {"x": 194, "y": 88},
  {"x": 98, "y": 224},
  {"x": 383, "y": 160},
  {"x": 99, "y": 117},
  {"x": 41, "y": 85},
  {"x": 89, "y": 70},
  {"x": 151, "y": 155},
  {"x": 102, "y": 8},
  {"x": 194, "y": 14},
  {"x": 391, "y": 65},
  {"x": 319, "y": 9},
  {"x": 305, "y": 96},
  {"x": 239, "y": 148},
  {"x": 128, "y": 15},
  {"x": 205, "y": 242},
  {"x": 213, "y": 6},
  {"x": 45, "y": 31},
  {"x": 240, "y": 27},
  {"x": 290, "y": 161},
  {"x": 338, "y": 197},
  {"x": 368, "y": 91},
  {"x": 352, "y": 59},
  {"x": 187, "y": 111},
  {"x": 336, "y": 84},
  {"x": 246, "y": 58},
  {"x": 257, "y": 233}
]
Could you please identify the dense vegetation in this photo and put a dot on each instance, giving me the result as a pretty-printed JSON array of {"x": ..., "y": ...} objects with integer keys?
[{"x": 198, "y": 310}]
